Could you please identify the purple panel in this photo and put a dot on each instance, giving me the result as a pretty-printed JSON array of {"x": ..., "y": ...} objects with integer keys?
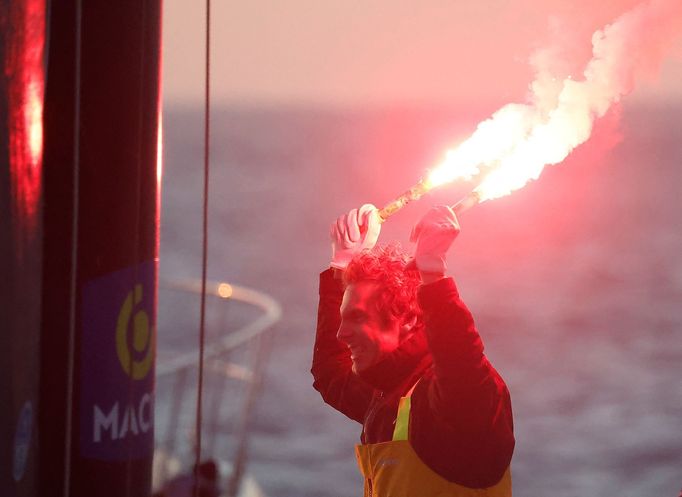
[{"x": 117, "y": 374}]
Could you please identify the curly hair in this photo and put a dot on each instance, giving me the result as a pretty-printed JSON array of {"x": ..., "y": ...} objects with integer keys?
[{"x": 388, "y": 266}]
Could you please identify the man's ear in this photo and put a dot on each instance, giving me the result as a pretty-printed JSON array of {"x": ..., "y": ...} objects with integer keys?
[{"x": 407, "y": 325}]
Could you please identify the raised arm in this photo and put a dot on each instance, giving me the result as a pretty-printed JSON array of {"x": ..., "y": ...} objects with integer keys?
[
  {"x": 332, "y": 366},
  {"x": 466, "y": 394},
  {"x": 460, "y": 367}
]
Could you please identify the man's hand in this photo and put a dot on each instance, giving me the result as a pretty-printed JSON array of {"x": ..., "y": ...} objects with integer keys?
[
  {"x": 434, "y": 234},
  {"x": 352, "y": 233}
]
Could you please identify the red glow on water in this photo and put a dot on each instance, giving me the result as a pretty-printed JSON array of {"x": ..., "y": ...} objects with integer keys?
[{"x": 24, "y": 70}]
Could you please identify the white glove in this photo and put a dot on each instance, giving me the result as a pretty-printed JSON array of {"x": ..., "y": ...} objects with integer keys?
[
  {"x": 352, "y": 233},
  {"x": 434, "y": 234}
]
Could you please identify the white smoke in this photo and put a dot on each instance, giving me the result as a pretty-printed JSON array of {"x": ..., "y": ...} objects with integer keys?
[{"x": 519, "y": 140}]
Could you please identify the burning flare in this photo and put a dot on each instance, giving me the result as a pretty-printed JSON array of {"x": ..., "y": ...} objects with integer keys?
[{"x": 519, "y": 140}]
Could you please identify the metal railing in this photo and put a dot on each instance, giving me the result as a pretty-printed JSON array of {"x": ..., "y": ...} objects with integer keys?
[{"x": 235, "y": 358}]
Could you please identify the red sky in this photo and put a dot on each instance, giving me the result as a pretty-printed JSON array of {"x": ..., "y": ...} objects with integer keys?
[{"x": 381, "y": 51}]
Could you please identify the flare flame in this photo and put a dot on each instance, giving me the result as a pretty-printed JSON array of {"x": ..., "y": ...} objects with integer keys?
[{"x": 513, "y": 146}]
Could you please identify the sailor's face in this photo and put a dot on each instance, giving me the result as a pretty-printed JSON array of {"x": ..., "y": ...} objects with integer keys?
[{"x": 367, "y": 334}]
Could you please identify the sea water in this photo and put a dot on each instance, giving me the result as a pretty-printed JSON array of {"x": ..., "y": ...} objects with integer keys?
[{"x": 575, "y": 282}]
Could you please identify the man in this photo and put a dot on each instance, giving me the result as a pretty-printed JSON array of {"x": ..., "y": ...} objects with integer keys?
[{"x": 397, "y": 350}]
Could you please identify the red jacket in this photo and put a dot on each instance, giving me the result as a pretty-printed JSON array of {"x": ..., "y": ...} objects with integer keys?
[{"x": 461, "y": 419}]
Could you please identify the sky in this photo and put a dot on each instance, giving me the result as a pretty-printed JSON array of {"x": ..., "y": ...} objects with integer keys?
[{"x": 381, "y": 52}]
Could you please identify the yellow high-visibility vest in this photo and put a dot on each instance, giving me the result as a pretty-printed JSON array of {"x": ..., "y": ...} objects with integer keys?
[{"x": 393, "y": 469}]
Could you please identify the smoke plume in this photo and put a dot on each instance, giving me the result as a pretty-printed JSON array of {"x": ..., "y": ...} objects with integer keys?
[{"x": 520, "y": 139}]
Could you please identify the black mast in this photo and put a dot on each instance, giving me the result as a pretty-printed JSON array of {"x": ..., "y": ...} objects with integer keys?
[{"x": 101, "y": 221}]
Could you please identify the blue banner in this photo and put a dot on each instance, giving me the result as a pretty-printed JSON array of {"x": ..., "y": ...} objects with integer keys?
[{"x": 117, "y": 364}]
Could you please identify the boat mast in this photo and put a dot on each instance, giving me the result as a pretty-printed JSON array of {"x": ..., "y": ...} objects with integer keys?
[{"x": 101, "y": 235}]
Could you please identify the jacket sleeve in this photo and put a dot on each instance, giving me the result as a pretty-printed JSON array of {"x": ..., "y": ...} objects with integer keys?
[
  {"x": 467, "y": 399},
  {"x": 332, "y": 365}
]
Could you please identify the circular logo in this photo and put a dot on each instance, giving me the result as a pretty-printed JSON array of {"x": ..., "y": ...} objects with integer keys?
[
  {"x": 142, "y": 339},
  {"x": 22, "y": 441}
]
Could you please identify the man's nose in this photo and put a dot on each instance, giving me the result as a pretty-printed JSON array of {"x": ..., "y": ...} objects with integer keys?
[{"x": 343, "y": 333}]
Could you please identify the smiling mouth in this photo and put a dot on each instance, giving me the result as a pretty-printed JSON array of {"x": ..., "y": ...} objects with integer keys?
[{"x": 355, "y": 352}]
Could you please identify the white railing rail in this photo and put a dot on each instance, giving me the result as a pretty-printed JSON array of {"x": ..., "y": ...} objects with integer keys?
[
  {"x": 177, "y": 367},
  {"x": 272, "y": 312}
]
